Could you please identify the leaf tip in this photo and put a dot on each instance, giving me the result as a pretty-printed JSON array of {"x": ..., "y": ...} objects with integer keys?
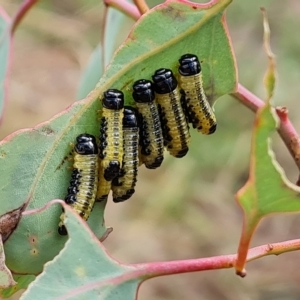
[{"x": 270, "y": 75}]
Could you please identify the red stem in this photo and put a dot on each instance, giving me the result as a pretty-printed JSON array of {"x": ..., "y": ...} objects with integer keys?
[
  {"x": 142, "y": 6},
  {"x": 247, "y": 98},
  {"x": 24, "y": 8},
  {"x": 286, "y": 129},
  {"x": 127, "y": 8},
  {"x": 155, "y": 269}
]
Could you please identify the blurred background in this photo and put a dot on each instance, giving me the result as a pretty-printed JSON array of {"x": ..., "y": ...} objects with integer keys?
[{"x": 186, "y": 208}]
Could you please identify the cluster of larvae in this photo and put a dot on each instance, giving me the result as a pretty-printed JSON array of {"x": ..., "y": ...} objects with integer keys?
[{"x": 132, "y": 136}]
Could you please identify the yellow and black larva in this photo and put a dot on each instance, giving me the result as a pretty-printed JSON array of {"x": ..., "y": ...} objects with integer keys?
[
  {"x": 104, "y": 186},
  {"x": 175, "y": 128},
  {"x": 151, "y": 137},
  {"x": 200, "y": 114},
  {"x": 123, "y": 185},
  {"x": 84, "y": 181},
  {"x": 111, "y": 134}
]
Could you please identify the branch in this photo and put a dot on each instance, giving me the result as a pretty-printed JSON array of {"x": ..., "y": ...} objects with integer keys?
[
  {"x": 141, "y": 5},
  {"x": 247, "y": 98},
  {"x": 123, "y": 6},
  {"x": 289, "y": 136},
  {"x": 154, "y": 269},
  {"x": 24, "y": 8},
  {"x": 286, "y": 129}
]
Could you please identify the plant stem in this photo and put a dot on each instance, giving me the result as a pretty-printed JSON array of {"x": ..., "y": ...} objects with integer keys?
[
  {"x": 123, "y": 6},
  {"x": 286, "y": 129},
  {"x": 154, "y": 269},
  {"x": 141, "y": 5},
  {"x": 289, "y": 136},
  {"x": 247, "y": 98},
  {"x": 24, "y": 8}
]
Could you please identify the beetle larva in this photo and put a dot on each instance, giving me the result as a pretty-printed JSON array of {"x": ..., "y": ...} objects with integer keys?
[
  {"x": 200, "y": 114},
  {"x": 151, "y": 137},
  {"x": 123, "y": 185},
  {"x": 175, "y": 128},
  {"x": 84, "y": 181},
  {"x": 111, "y": 134}
]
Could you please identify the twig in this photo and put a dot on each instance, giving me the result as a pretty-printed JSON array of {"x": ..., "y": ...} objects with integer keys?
[
  {"x": 247, "y": 98},
  {"x": 141, "y": 5},
  {"x": 286, "y": 129},
  {"x": 289, "y": 136},
  {"x": 123, "y": 6},
  {"x": 24, "y": 8},
  {"x": 155, "y": 269}
]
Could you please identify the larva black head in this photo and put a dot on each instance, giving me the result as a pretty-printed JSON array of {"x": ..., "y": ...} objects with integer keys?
[
  {"x": 122, "y": 198},
  {"x": 130, "y": 117},
  {"x": 62, "y": 230},
  {"x": 143, "y": 91},
  {"x": 182, "y": 153},
  {"x": 164, "y": 81},
  {"x": 113, "y": 99},
  {"x": 157, "y": 162},
  {"x": 86, "y": 144},
  {"x": 189, "y": 65},
  {"x": 212, "y": 129}
]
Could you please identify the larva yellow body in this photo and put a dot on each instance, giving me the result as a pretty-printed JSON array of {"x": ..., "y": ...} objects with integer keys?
[
  {"x": 151, "y": 136},
  {"x": 175, "y": 128},
  {"x": 111, "y": 134},
  {"x": 123, "y": 185},
  {"x": 84, "y": 181},
  {"x": 104, "y": 186},
  {"x": 200, "y": 113}
]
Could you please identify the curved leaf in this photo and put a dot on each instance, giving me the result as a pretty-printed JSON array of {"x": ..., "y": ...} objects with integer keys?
[
  {"x": 267, "y": 190},
  {"x": 116, "y": 29},
  {"x": 31, "y": 160},
  {"x": 91, "y": 74},
  {"x": 164, "y": 34},
  {"x": 75, "y": 277},
  {"x": 117, "y": 26}
]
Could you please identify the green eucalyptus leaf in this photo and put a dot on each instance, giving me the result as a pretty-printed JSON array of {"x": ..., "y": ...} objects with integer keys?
[
  {"x": 116, "y": 29},
  {"x": 22, "y": 283},
  {"x": 91, "y": 74},
  {"x": 83, "y": 270},
  {"x": 267, "y": 190},
  {"x": 32, "y": 166}
]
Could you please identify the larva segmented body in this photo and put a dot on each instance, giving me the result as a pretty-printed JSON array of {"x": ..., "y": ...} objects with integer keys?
[
  {"x": 123, "y": 185},
  {"x": 200, "y": 114},
  {"x": 151, "y": 137},
  {"x": 175, "y": 128},
  {"x": 104, "y": 186},
  {"x": 111, "y": 135},
  {"x": 84, "y": 181}
]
